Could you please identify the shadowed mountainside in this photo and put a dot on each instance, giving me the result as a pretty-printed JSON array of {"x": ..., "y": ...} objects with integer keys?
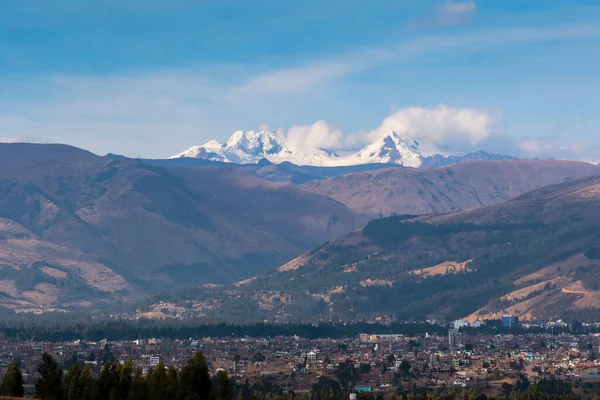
[
  {"x": 75, "y": 216},
  {"x": 536, "y": 256}
]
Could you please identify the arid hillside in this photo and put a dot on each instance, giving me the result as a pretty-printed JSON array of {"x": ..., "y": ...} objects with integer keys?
[
  {"x": 78, "y": 228},
  {"x": 452, "y": 188},
  {"x": 536, "y": 256}
]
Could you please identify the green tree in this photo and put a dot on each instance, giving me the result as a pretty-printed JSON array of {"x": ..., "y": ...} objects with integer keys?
[
  {"x": 225, "y": 392},
  {"x": 71, "y": 384},
  {"x": 125, "y": 379},
  {"x": 12, "y": 385},
  {"x": 139, "y": 386},
  {"x": 84, "y": 387},
  {"x": 258, "y": 357},
  {"x": 195, "y": 380},
  {"x": 326, "y": 388},
  {"x": 173, "y": 385},
  {"x": 346, "y": 373},
  {"x": 49, "y": 385},
  {"x": 405, "y": 367},
  {"x": 107, "y": 385},
  {"x": 157, "y": 383}
]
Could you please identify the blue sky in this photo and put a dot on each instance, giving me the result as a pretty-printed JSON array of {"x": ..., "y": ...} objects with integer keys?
[{"x": 151, "y": 78}]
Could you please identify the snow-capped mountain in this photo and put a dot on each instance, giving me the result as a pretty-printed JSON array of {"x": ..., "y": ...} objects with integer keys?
[
  {"x": 391, "y": 149},
  {"x": 249, "y": 147}
]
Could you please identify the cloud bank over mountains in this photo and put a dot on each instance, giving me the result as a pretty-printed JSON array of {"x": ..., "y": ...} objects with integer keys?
[
  {"x": 449, "y": 130},
  {"x": 333, "y": 99},
  {"x": 441, "y": 129}
]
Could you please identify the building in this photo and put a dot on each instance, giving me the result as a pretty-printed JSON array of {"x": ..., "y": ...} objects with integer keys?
[
  {"x": 154, "y": 361},
  {"x": 452, "y": 338},
  {"x": 510, "y": 321},
  {"x": 460, "y": 323}
]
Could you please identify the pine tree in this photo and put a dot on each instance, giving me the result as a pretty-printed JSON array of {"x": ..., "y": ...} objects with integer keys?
[
  {"x": 125, "y": 379},
  {"x": 139, "y": 387},
  {"x": 224, "y": 387},
  {"x": 173, "y": 384},
  {"x": 12, "y": 385},
  {"x": 157, "y": 383},
  {"x": 49, "y": 385},
  {"x": 195, "y": 380},
  {"x": 71, "y": 391},
  {"x": 83, "y": 390}
]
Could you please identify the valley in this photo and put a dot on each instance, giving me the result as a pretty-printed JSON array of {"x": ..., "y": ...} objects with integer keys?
[
  {"x": 81, "y": 231},
  {"x": 534, "y": 256}
]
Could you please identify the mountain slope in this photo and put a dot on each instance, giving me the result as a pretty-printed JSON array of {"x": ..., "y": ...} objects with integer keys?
[
  {"x": 537, "y": 256},
  {"x": 151, "y": 227},
  {"x": 452, "y": 188},
  {"x": 391, "y": 149},
  {"x": 301, "y": 217},
  {"x": 284, "y": 172}
]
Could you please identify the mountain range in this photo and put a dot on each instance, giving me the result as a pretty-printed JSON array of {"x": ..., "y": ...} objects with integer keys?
[
  {"x": 536, "y": 256},
  {"x": 249, "y": 147},
  {"x": 80, "y": 230}
]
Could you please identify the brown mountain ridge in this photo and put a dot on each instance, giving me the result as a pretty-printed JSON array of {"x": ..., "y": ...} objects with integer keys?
[
  {"x": 536, "y": 256},
  {"x": 452, "y": 188},
  {"x": 77, "y": 229},
  {"x": 74, "y": 222}
]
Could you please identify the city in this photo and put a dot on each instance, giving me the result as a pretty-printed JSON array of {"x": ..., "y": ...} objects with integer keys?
[
  {"x": 300, "y": 200},
  {"x": 370, "y": 364}
]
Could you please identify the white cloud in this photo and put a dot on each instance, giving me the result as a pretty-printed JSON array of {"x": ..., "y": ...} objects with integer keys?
[
  {"x": 554, "y": 147},
  {"x": 451, "y": 12},
  {"x": 445, "y": 126},
  {"x": 311, "y": 77},
  {"x": 320, "y": 135},
  {"x": 290, "y": 79},
  {"x": 448, "y": 13},
  {"x": 458, "y": 8},
  {"x": 158, "y": 114},
  {"x": 450, "y": 128}
]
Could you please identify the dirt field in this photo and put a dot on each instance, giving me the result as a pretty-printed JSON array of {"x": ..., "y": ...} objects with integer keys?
[{"x": 448, "y": 267}]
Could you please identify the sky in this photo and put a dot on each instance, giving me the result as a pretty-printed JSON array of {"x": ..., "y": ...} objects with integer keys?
[{"x": 150, "y": 78}]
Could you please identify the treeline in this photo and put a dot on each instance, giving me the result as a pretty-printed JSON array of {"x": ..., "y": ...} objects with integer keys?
[
  {"x": 68, "y": 327},
  {"x": 122, "y": 382},
  {"x": 394, "y": 230},
  {"x": 193, "y": 382}
]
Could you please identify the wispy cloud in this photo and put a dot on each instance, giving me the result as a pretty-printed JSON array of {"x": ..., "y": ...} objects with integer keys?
[
  {"x": 448, "y": 13},
  {"x": 295, "y": 79},
  {"x": 303, "y": 78},
  {"x": 551, "y": 147},
  {"x": 160, "y": 113}
]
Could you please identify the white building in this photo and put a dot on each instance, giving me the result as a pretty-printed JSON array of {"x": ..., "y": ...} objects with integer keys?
[
  {"x": 154, "y": 361},
  {"x": 460, "y": 323}
]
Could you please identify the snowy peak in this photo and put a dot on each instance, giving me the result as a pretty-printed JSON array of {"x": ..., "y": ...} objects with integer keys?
[
  {"x": 254, "y": 143},
  {"x": 243, "y": 147},
  {"x": 249, "y": 147},
  {"x": 211, "y": 150},
  {"x": 212, "y": 144},
  {"x": 392, "y": 149}
]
